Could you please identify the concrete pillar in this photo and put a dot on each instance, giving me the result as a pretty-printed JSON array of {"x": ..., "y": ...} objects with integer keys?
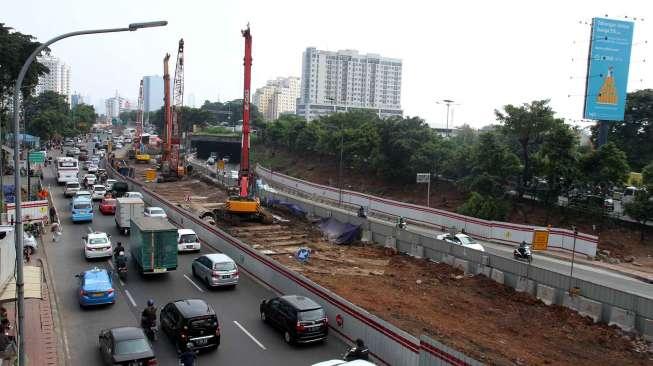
[
  {"x": 366, "y": 236},
  {"x": 417, "y": 251}
]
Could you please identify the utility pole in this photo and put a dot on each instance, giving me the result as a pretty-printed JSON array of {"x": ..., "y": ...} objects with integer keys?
[{"x": 448, "y": 103}]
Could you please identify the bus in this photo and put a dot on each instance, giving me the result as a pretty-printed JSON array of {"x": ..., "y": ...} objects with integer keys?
[{"x": 67, "y": 170}]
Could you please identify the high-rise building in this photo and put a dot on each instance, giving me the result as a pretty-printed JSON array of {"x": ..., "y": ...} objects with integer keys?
[
  {"x": 338, "y": 81},
  {"x": 116, "y": 105},
  {"x": 76, "y": 99},
  {"x": 277, "y": 97},
  {"x": 152, "y": 94},
  {"x": 57, "y": 80}
]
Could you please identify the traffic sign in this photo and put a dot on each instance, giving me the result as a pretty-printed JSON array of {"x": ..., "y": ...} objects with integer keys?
[
  {"x": 303, "y": 254},
  {"x": 540, "y": 239},
  {"x": 36, "y": 157},
  {"x": 423, "y": 177}
]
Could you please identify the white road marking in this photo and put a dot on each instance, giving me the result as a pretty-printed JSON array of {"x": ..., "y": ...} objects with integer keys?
[
  {"x": 194, "y": 284},
  {"x": 250, "y": 335},
  {"x": 130, "y": 298}
]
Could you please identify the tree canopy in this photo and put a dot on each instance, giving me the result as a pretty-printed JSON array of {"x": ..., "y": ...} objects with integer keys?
[{"x": 48, "y": 115}]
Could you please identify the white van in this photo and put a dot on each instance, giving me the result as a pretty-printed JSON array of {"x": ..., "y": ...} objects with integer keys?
[{"x": 187, "y": 240}]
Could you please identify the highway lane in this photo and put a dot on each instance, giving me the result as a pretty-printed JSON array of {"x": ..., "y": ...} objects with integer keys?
[{"x": 239, "y": 305}]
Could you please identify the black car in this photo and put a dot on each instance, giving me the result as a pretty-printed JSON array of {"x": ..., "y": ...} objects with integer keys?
[
  {"x": 126, "y": 346},
  {"x": 191, "y": 320},
  {"x": 301, "y": 319}
]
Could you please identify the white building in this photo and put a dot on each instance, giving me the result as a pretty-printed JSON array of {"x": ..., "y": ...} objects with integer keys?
[
  {"x": 338, "y": 81},
  {"x": 57, "y": 80},
  {"x": 277, "y": 97}
]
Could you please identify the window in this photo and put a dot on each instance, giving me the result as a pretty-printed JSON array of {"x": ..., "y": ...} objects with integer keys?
[
  {"x": 131, "y": 346},
  {"x": 224, "y": 266}
]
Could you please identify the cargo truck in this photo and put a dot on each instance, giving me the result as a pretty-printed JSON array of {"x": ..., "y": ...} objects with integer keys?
[
  {"x": 127, "y": 208},
  {"x": 153, "y": 244}
]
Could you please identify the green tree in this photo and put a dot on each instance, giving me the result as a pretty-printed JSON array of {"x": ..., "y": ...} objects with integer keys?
[
  {"x": 47, "y": 115},
  {"x": 484, "y": 207},
  {"x": 647, "y": 176},
  {"x": 493, "y": 165},
  {"x": 128, "y": 116},
  {"x": 605, "y": 167},
  {"x": 231, "y": 112},
  {"x": 641, "y": 210},
  {"x": 526, "y": 123},
  {"x": 83, "y": 117}
]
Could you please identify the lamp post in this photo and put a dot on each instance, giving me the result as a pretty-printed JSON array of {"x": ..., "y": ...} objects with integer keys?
[
  {"x": 342, "y": 141},
  {"x": 448, "y": 103},
  {"x": 573, "y": 255},
  {"x": 18, "y": 231}
]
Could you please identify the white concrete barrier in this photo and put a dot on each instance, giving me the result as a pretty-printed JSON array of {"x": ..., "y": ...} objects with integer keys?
[
  {"x": 546, "y": 294},
  {"x": 497, "y": 276},
  {"x": 622, "y": 318},
  {"x": 461, "y": 264}
]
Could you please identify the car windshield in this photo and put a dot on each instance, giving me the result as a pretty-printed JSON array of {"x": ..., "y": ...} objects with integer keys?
[
  {"x": 82, "y": 206},
  {"x": 224, "y": 266},
  {"x": 188, "y": 238},
  {"x": 157, "y": 211},
  {"x": 204, "y": 323},
  {"x": 131, "y": 346},
  {"x": 98, "y": 241},
  {"x": 466, "y": 240},
  {"x": 98, "y": 189},
  {"x": 72, "y": 185},
  {"x": 308, "y": 315},
  {"x": 96, "y": 280}
]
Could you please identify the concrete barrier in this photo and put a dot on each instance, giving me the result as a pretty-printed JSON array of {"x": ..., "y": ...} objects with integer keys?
[
  {"x": 546, "y": 294},
  {"x": 622, "y": 318},
  {"x": 583, "y": 306},
  {"x": 461, "y": 264},
  {"x": 497, "y": 276}
]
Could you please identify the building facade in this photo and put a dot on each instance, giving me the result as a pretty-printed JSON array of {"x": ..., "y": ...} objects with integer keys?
[
  {"x": 152, "y": 94},
  {"x": 57, "y": 80},
  {"x": 277, "y": 97},
  {"x": 76, "y": 99},
  {"x": 339, "y": 81}
]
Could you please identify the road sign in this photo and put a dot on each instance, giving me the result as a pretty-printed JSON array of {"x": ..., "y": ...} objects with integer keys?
[
  {"x": 303, "y": 254},
  {"x": 423, "y": 177},
  {"x": 221, "y": 164},
  {"x": 540, "y": 239},
  {"x": 36, "y": 157}
]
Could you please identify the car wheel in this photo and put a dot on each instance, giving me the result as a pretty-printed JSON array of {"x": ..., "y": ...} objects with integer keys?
[{"x": 288, "y": 337}]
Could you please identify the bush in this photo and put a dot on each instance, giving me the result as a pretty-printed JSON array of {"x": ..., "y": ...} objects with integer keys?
[{"x": 484, "y": 207}]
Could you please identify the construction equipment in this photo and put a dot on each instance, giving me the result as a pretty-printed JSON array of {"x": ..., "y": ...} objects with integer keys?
[
  {"x": 171, "y": 170},
  {"x": 244, "y": 205},
  {"x": 139, "y": 149}
]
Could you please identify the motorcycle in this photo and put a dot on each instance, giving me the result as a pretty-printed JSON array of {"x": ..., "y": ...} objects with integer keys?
[
  {"x": 527, "y": 255},
  {"x": 121, "y": 268},
  {"x": 151, "y": 330},
  {"x": 352, "y": 354}
]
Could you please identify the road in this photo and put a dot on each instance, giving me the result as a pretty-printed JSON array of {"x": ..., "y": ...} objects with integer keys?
[{"x": 260, "y": 345}]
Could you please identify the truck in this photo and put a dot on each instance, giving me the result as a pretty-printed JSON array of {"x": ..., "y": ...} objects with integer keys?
[
  {"x": 127, "y": 208},
  {"x": 153, "y": 245}
]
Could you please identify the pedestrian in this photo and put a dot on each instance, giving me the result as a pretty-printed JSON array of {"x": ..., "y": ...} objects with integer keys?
[
  {"x": 56, "y": 231},
  {"x": 53, "y": 213},
  {"x": 3, "y": 314}
]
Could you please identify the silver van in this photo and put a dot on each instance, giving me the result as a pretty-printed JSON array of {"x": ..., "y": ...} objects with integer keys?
[{"x": 216, "y": 269}]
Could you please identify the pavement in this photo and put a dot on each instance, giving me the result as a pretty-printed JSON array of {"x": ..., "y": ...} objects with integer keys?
[{"x": 245, "y": 339}]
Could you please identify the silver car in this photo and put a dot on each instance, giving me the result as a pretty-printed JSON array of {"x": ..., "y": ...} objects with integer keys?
[{"x": 216, "y": 269}]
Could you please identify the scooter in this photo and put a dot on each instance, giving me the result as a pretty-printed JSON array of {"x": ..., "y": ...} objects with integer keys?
[
  {"x": 151, "y": 330},
  {"x": 527, "y": 255},
  {"x": 350, "y": 354},
  {"x": 121, "y": 269}
]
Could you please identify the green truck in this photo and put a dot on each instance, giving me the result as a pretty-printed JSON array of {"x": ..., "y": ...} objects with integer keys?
[{"x": 153, "y": 242}]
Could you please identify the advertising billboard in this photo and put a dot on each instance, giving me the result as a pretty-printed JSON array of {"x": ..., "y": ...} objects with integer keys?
[{"x": 607, "y": 69}]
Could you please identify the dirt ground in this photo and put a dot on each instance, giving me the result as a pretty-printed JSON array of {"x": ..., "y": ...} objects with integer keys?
[
  {"x": 621, "y": 239},
  {"x": 474, "y": 315}
]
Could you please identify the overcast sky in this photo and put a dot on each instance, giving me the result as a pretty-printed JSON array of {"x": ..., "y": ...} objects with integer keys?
[{"x": 481, "y": 54}]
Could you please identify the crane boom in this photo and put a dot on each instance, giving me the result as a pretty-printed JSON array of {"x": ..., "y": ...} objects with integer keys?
[
  {"x": 167, "y": 120},
  {"x": 178, "y": 97},
  {"x": 139, "y": 119},
  {"x": 244, "y": 178}
]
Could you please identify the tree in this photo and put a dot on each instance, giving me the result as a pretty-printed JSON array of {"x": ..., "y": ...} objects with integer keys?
[
  {"x": 605, "y": 167},
  {"x": 484, "y": 207},
  {"x": 83, "y": 117},
  {"x": 231, "y": 112},
  {"x": 47, "y": 115},
  {"x": 526, "y": 123},
  {"x": 128, "y": 116},
  {"x": 647, "y": 176},
  {"x": 493, "y": 164},
  {"x": 641, "y": 209}
]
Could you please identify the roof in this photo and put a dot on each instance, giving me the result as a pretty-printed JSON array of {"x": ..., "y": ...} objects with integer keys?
[
  {"x": 81, "y": 199},
  {"x": 129, "y": 199},
  {"x": 97, "y": 235},
  {"x": 219, "y": 258},
  {"x": 152, "y": 223},
  {"x": 124, "y": 333},
  {"x": 190, "y": 308},
  {"x": 98, "y": 273},
  {"x": 185, "y": 231},
  {"x": 301, "y": 302}
]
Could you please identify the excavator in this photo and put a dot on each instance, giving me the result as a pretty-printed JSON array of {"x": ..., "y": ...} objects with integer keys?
[{"x": 244, "y": 205}]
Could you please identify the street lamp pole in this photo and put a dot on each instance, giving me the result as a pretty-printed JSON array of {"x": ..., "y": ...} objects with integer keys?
[
  {"x": 573, "y": 255},
  {"x": 448, "y": 103},
  {"x": 18, "y": 231}
]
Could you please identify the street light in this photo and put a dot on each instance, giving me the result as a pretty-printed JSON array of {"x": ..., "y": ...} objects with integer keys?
[
  {"x": 18, "y": 231},
  {"x": 342, "y": 141},
  {"x": 573, "y": 255},
  {"x": 448, "y": 103}
]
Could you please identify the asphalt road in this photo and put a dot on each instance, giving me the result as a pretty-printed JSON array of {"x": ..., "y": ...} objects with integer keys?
[{"x": 253, "y": 344}]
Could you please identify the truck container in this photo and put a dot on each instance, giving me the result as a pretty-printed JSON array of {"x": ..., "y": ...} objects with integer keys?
[
  {"x": 126, "y": 209},
  {"x": 153, "y": 244}
]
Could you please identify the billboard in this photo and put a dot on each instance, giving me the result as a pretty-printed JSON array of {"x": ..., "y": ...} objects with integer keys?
[{"x": 607, "y": 69}]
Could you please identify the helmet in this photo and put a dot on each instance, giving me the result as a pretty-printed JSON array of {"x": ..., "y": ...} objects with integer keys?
[
  {"x": 121, "y": 253},
  {"x": 189, "y": 346},
  {"x": 360, "y": 343},
  {"x": 150, "y": 302}
]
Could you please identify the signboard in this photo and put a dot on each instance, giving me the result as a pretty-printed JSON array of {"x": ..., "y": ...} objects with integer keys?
[
  {"x": 423, "y": 177},
  {"x": 221, "y": 164},
  {"x": 36, "y": 157},
  {"x": 540, "y": 239},
  {"x": 303, "y": 254},
  {"x": 32, "y": 211},
  {"x": 607, "y": 69}
]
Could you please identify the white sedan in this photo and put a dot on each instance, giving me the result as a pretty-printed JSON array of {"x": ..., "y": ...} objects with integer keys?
[
  {"x": 97, "y": 245},
  {"x": 155, "y": 212},
  {"x": 99, "y": 191},
  {"x": 462, "y": 240}
]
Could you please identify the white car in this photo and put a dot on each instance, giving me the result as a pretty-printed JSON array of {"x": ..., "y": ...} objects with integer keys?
[
  {"x": 92, "y": 168},
  {"x": 119, "y": 146},
  {"x": 97, "y": 245},
  {"x": 155, "y": 212},
  {"x": 461, "y": 239},
  {"x": 71, "y": 188},
  {"x": 89, "y": 179},
  {"x": 109, "y": 184},
  {"x": 133, "y": 195},
  {"x": 99, "y": 191},
  {"x": 187, "y": 240},
  {"x": 78, "y": 194},
  {"x": 29, "y": 242},
  {"x": 344, "y": 363}
]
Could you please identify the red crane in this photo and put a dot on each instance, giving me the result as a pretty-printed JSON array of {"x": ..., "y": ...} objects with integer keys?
[{"x": 244, "y": 175}]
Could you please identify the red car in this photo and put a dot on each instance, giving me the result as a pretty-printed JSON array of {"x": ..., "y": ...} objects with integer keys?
[{"x": 108, "y": 206}]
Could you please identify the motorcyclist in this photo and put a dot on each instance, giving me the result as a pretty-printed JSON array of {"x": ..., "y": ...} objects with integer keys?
[
  {"x": 188, "y": 357},
  {"x": 361, "y": 212},
  {"x": 121, "y": 260},
  {"x": 148, "y": 316},
  {"x": 359, "y": 352},
  {"x": 401, "y": 222},
  {"x": 522, "y": 248},
  {"x": 119, "y": 248}
]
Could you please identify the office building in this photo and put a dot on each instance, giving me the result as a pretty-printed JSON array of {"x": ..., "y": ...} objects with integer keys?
[
  {"x": 76, "y": 99},
  {"x": 152, "y": 94},
  {"x": 277, "y": 97},
  {"x": 57, "y": 80},
  {"x": 339, "y": 81}
]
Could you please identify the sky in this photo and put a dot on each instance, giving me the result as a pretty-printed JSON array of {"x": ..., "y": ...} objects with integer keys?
[{"x": 480, "y": 54}]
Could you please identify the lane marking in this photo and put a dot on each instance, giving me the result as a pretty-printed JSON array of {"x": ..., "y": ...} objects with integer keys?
[
  {"x": 130, "y": 298},
  {"x": 250, "y": 335},
  {"x": 193, "y": 282}
]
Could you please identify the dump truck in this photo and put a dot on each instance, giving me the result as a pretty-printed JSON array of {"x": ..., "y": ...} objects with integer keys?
[
  {"x": 153, "y": 245},
  {"x": 127, "y": 208}
]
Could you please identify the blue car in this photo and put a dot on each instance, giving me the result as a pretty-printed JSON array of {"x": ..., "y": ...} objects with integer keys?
[
  {"x": 96, "y": 287},
  {"x": 82, "y": 209}
]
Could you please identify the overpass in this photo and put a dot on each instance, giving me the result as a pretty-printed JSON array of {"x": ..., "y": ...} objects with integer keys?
[{"x": 222, "y": 145}]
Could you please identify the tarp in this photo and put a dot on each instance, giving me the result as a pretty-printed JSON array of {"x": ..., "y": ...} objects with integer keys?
[
  {"x": 32, "y": 281},
  {"x": 294, "y": 209},
  {"x": 339, "y": 232}
]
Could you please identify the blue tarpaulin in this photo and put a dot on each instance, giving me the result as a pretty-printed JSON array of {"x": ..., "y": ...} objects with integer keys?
[
  {"x": 294, "y": 209},
  {"x": 339, "y": 232}
]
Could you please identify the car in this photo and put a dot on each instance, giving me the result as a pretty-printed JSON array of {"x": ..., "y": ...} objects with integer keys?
[
  {"x": 187, "y": 240},
  {"x": 95, "y": 287},
  {"x": 108, "y": 206},
  {"x": 71, "y": 188},
  {"x": 83, "y": 193},
  {"x": 81, "y": 209},
  {"x": 461, "y": 239},
  {"x": 126, "y": 346},
  {"x": 29, "y": 242},
  {"x": 92, "y": 168},
  {"x": 344, "y": 363},
  {"x": 190, "y": 320},
  {"x": 210, "y": 160},
  {"x": 75, "y": 151},
  {"x": 128, "y": 140},
  {"x": 97, "y": 245},
  {"x": 154, "y": 212},
  {"x": 99, "y": 190},
  {"x": 119, "y": 146},
  {"x": 301, "y": 319},
  {"x": 216, "y": 269},
  {"x": 109, "y": 184},
  {"x": 89, "y": 179},
  {"x": 133, "y": 195}
]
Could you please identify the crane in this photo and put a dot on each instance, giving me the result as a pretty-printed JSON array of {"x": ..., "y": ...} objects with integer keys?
[
  {"x": 139, "y": 148},
  {"x": 171, "y": 170}
]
